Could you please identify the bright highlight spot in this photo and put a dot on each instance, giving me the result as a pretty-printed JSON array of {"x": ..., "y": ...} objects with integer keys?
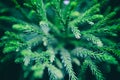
[{"x": 66, "y": 2}]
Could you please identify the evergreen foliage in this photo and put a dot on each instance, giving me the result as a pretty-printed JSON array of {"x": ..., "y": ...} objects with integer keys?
[{"x": 53, "y": 35}]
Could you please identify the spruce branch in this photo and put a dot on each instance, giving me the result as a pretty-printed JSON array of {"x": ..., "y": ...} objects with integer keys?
[
  {"x": 103, "y": 21},
  {"x": 12, "y": 36},
  {"x": 83, "y": 69},
  {"x": 106, "y": 30},
  {"x": 55, "y": 73},
  {"x": 56, "y": 7},
  {"x": 95, "y": 70},
  {"x": 65, "y": 56},
  {"x": 34, "y": 41},
  {"x": 40, "y": 8},
  {"x": 66, "y": 60},
  {"x": 82, "y": 52},
  {"x": 38, "y": 70},
  {"x": 75, "y": 31},
  {"x": 12, "y": 42},
  {"x": 89, "y": 12},
  {"x": 12, "y": 19},
  {"x": 23, "y": 12},
  {"x": 93, "y": 39},
  {"x": 90, "y": 20}
]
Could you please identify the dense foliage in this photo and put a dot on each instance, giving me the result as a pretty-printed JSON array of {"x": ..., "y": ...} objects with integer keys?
[{"x": 63, "y": 39}]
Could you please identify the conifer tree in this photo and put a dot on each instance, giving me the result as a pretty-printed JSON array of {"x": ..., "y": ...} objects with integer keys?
[{"x": 53, "y": 35}]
